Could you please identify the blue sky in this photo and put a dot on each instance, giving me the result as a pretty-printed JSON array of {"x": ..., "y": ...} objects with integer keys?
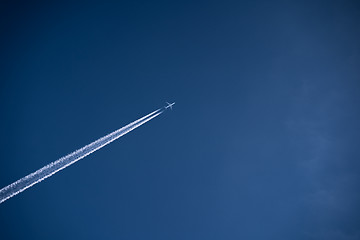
[{"x": 262, "y": 143}]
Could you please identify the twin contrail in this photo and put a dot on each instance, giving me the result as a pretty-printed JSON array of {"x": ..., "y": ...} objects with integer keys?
[{"x": 52, "y": 168}]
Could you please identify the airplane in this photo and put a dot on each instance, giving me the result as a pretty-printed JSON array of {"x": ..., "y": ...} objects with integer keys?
[{"x": 169, "y": 105}]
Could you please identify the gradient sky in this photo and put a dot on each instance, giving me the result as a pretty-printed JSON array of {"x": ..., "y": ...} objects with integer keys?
[{"x": 263, "y": 142}]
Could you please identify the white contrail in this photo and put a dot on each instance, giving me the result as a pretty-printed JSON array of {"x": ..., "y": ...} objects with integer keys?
[{"x": 52, "y": 168}]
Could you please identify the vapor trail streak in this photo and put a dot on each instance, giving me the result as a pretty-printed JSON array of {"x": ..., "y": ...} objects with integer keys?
[{"x": 52, "y": 168}]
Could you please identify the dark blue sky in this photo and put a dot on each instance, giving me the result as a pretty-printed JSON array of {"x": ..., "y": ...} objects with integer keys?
[{"x": 263, "y": 142}]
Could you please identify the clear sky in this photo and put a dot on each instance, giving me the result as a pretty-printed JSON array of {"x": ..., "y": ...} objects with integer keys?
[{"x": 263, "y": 142}]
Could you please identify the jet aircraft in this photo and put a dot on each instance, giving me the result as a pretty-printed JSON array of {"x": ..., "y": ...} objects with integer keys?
[{"x": 169, "y": 105}]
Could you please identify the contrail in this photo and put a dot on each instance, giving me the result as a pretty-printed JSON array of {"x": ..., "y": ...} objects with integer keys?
[{"x": 52, "y": 168}]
